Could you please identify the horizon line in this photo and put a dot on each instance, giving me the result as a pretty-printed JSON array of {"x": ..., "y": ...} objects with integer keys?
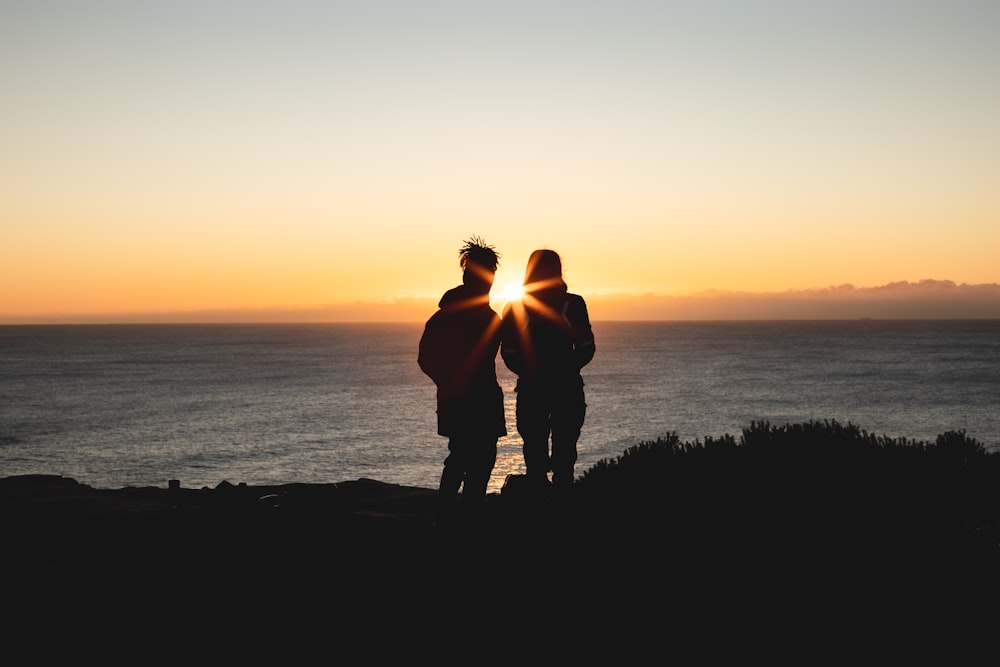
[{"x": 925, "y": 299}]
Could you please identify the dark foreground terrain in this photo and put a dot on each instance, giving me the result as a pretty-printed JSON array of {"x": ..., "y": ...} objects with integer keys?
[{"x": 666, "y": 544}]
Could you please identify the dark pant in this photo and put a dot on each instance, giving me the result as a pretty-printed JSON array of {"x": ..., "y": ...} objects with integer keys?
[
  {"x": 468, "y": 465},
  {"x": 558, "y": 412}
]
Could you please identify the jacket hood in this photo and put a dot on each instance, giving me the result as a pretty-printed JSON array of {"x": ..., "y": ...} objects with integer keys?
[{"x": 463, "y": 295}]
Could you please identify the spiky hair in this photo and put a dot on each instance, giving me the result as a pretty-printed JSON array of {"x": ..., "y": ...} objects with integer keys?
[{"x": 477, "y": 251}]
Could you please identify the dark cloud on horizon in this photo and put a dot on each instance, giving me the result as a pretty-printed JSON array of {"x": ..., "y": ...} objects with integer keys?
[{"x": 931, "y": 299}]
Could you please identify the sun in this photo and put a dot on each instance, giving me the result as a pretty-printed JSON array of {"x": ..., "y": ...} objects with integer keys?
[{"x": 512, "y": 291}]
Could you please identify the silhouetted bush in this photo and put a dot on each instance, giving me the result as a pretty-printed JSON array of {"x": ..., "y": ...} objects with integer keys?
[
  {"x": 820, "y": 483},
  {"x": 814, "y": 450}
]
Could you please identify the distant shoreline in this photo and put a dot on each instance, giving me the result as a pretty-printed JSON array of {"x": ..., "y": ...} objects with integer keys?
[
  {"x": 262, "y": 322},
  {"x": 925, "y": 299}
]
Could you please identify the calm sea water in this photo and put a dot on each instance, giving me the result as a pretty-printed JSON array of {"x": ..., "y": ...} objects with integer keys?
[{"x": 137, "y": 405}]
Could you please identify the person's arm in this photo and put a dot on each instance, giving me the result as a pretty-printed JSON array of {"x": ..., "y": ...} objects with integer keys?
[
  {"x": 510, "y": 342},
  {"x": 431, "y": 355},
  {"x": 583, "y": 333}
]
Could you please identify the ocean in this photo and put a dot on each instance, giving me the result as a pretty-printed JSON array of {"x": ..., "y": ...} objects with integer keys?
[{"x": 117, "y": 406}]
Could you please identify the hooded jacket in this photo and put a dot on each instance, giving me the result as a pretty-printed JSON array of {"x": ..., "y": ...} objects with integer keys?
[
  {"x": 458, "y": 350},
  {"x": 548, "y": 339}
]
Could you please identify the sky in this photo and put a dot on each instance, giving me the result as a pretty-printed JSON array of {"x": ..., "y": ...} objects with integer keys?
[{"x": 286, "y": 157}]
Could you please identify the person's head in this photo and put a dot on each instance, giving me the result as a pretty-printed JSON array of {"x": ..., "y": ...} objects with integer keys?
[
  {"x": 544, "y": 271},
  {"x": 479, "y": 263}
]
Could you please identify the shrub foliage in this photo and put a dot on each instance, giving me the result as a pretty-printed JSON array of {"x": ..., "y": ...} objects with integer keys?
[{"x": 820, "y": 482}]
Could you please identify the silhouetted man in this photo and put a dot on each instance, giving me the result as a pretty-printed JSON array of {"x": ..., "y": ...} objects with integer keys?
[
  {"x": 458, "y": 351},
  {"x": 547, "y": 339}
]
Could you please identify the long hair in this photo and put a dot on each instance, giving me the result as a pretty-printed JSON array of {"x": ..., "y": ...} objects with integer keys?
[{"x": 544, "y": 273}]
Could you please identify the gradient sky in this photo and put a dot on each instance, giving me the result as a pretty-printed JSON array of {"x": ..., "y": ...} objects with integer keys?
[{"x": 163, "y": 156}]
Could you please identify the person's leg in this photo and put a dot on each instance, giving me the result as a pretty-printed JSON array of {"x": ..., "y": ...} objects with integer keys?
[
  {"x": 482, "y": 459},
  {"x": 451, "y": 480},
  {"x": 533, "y": 427},
  {"x": 567, "y": 422}
]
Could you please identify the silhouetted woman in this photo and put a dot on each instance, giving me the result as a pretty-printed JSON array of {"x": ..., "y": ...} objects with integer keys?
[{"x": 547, "y": 339}]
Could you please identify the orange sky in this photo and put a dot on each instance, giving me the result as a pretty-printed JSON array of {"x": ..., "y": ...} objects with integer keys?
[{"x": 182, "y": 158}]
